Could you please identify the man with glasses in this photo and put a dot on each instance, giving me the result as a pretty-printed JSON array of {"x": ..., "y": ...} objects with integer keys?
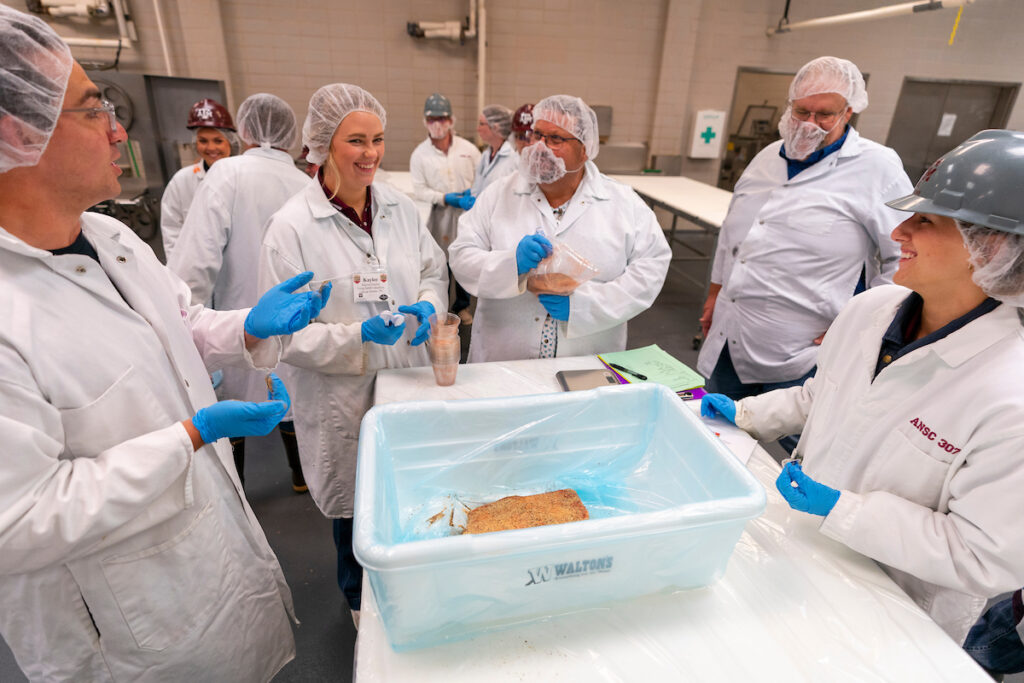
[
  {"x": 557, "y": 200},
  {"x": 807, "y": 221},
  {"x": 129, "y": 551}
]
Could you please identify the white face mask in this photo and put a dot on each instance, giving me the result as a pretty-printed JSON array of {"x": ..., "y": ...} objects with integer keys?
[
  {"x": 538, "y": 164},
  {"x": 802, "y": 138},
  {"x": 438, "y": 129}
]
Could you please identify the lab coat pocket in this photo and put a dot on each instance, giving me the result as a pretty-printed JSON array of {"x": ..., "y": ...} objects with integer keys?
[
  {"x": 106, "y": 421},
  {"x": 169, "y": 590},
  {"x": 811, "y": 221},
  {"x": 906, "y": 470}
]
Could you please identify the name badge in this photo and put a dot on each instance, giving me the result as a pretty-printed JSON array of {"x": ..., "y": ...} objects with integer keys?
[{"x": 370, "y": 286}]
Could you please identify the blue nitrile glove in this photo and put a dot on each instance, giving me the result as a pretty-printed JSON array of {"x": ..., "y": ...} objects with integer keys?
[
  {"x": 452, "y": 198},
  {"x": 557, "y": 306},
  {"x": 243, "y": 418},
  {"x": 279, "y": 311},
  {"x": 380, "y": 331},
  {"x": 808, "y": 495},
  {"x": 530, "y": 251},
  {"x": 422, "y": 310},
  {"x": 713, "y": 405},
  {"x": 467, "y": 201}
]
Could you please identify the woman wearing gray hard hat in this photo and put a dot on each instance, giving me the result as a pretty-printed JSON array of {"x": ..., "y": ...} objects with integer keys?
[{"x": 912, "y": 442}]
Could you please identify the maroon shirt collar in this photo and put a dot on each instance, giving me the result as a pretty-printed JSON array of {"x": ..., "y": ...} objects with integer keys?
[{"x": 365, "y": 221}]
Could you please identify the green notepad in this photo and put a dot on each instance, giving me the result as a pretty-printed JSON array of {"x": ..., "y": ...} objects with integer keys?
[{"x": 656, "y": 365}]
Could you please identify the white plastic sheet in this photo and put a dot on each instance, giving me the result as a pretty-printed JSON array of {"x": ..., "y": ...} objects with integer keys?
[{"x": 792, "y": 606}]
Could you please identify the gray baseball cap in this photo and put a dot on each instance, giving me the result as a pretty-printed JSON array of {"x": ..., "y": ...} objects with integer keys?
[{"x": 437, "y": 105}]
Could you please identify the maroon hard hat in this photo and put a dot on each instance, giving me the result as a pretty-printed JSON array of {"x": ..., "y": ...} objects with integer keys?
[
  {"x": 207, "y": 113},
  {"x": 522, "y": 120}
]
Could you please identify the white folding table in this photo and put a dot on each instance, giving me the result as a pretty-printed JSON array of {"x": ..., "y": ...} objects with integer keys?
[
  {"x": 695, "y": 202},
  {"x": 793, "y": 605}
]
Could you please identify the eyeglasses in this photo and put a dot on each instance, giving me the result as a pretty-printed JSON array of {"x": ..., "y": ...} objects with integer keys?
[
  {"x": 822, "y": 118},
  {"x": 106, "y": 107},
  {"x": 552, "y": 141}
]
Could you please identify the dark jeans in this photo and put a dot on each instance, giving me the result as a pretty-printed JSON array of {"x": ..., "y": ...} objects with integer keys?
[
  {"x": 994, "y": 643},
  {"x": 724, "y": 380},
  {"x": 350, "y": 574},
  {"x": 461, "y": 301},
  {"x": 291, "y": 449}
]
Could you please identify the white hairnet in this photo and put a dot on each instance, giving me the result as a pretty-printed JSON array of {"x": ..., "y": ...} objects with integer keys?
[
  {"x": 499, "y": 119},
  {"x": 266, "y": 120},
  {"x": 830, "y": 74},
  {"x": 572, "y": 114},
  {"x": 997, "y": 259},
  {"x": 328, "y": 107},
  {"x": 34, "y": 68}
]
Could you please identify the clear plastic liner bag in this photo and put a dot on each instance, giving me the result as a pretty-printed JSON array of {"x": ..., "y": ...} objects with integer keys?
[
  {"x": 561, "y": 272},
  {"x": 666, "y": 504}
]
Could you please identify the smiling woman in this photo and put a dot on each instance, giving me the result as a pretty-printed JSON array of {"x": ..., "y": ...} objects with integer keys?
[
  {"x": 370, "y": 242},
  {"x": 911, "y": 443},
  {"x": 356, "y": 151}
]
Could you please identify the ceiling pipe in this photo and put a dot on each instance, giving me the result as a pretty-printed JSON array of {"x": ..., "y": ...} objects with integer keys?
[
  {"x": 481, "y": 52},
  {"x": 163, "y": 35},
  {"x": 867, "y": 15},
  {"x": 96, "y": 8}
]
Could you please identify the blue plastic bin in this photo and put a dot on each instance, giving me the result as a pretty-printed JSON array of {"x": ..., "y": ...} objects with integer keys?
[{"x": 667, "y": 504}]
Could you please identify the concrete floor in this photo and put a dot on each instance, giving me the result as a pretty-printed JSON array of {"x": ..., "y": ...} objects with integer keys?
[{"x": 301, "y": 536}]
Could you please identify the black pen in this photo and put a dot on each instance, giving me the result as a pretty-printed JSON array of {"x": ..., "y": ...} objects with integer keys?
[{"x": 613, "y": 366}]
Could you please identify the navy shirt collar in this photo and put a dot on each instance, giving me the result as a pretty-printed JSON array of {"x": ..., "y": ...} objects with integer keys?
[
  {"x": 899, "y": 340},
  {"x": 80, "y": 246},
  {"x": 795, "y": 166}
]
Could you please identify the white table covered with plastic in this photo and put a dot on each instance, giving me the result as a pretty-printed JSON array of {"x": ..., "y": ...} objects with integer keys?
[{"x": 793, "y": 605}]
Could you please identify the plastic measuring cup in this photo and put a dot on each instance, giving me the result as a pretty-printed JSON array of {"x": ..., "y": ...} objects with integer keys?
[
  {"x": 443, "y": 325},
  {"x": 445, "y": 352}
]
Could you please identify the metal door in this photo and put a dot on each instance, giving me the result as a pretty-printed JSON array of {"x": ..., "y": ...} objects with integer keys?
[{"x": 933, "y": 117}]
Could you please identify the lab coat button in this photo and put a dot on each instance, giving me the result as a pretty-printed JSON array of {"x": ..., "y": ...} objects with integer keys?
[
  {"x": 122, "y": 259},
  {"x": 80, "y": 270},
  {"x": 735, "y": 250},
  {"x": 187, "y": 384}
]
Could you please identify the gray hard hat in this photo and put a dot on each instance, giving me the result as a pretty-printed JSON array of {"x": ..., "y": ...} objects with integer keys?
[
  {"x": 979, "y": 182},
  {"x": 437, "y": 105}
]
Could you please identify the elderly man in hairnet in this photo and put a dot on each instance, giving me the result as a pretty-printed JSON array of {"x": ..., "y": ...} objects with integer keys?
[
  {"x": 442, "y": 169},
  {"x": 558, "y": 200},
  {"x": 807, "y": 218},
  {"x": 499, "y": 159},
  {"x": 128, "y": 550},
  {"x": 219, "y": 246}
]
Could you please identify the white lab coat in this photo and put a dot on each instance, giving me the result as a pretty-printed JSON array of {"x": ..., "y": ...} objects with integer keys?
[
  {"x": 435, "y": 174},
  {"x": 175, "y": 201},
  {"x": 488, "y": 170},
  {"x": 791, "y": 251},
  {"x": 929, "y": 456},
  {"x": 219, "y": 246},
  {"x": 107, "y": 517},
  {"x": 333, "y": 371},
  {"x": 605, "y": 221}
]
